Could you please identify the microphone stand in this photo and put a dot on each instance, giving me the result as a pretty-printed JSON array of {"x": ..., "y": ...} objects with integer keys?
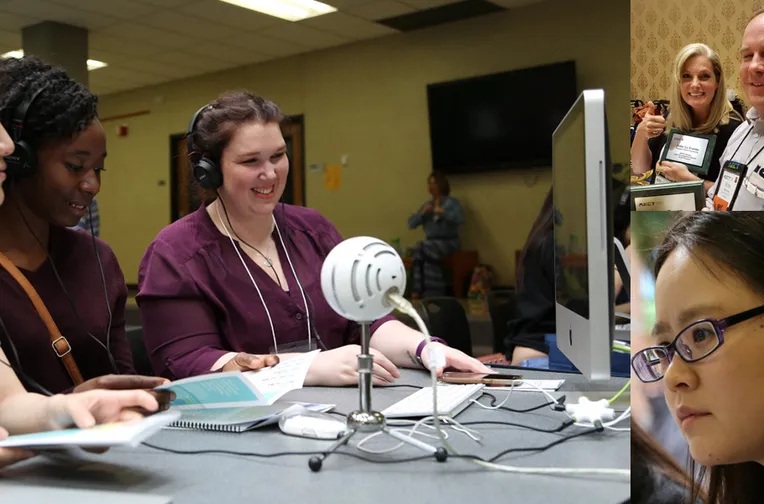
[{"x": 366, "y": 419}]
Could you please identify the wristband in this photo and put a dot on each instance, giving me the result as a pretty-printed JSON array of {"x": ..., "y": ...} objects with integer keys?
[{"x": 422, "y": 345}]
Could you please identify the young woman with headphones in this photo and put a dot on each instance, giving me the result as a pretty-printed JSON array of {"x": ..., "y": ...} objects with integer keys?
[
  {"x": 23, "y": 412},
  {"x": 62, "y": 291},
  {"x": 238, "y": 279}
]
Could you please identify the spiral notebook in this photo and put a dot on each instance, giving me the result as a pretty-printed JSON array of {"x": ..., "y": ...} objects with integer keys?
[{"x": 242, "y": 418}]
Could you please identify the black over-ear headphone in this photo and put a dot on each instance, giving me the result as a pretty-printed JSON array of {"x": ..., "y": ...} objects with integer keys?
[
  {"x": 23, "y": 160},
  {"x": 205, "y": 170}
]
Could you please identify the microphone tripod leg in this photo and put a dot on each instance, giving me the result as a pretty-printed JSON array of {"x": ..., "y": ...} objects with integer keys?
[{"x": 316, "y": 461}]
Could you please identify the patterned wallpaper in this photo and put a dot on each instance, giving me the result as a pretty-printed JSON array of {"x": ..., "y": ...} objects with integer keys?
[{"x": 659, "y": 28}]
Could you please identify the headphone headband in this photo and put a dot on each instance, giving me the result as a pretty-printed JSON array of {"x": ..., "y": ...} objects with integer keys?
[
  {"x": 23, "y": 159},
  {"x": 206, "y": 171}
]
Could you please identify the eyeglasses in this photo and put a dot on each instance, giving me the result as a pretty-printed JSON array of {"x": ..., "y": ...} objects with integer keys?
[{"x": 693, "y": 343}]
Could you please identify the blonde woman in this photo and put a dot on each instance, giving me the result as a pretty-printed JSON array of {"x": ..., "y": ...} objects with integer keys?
[{"x": 698, "y": 105}]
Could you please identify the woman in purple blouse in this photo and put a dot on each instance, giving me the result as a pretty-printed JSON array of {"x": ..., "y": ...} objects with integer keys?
[
  {"x": 24, "y": 412},
  {"x": 52, "y": 177},
  {"x": 240, "y": 277}
]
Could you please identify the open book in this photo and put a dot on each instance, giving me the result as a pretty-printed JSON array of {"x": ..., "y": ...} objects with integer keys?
[
  {"x": 105, "y": 435},
  {"x": 234, "y": 401}
]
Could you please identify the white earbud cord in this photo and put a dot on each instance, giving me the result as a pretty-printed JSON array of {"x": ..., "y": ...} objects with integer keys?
[{"x": 267, "y": 312}]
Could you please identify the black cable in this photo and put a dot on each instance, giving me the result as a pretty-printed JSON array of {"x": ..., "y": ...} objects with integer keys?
[
  {"x": 564, "y": 425},
  {"x": 561, "y": 400},
  {"x": 544, "y": 448},
  {"x": 105, "y": 290},
  {"x": 20, "y": 371},
  {"x": 66, "y": 292},
  {"x": 367, "y": 459}
]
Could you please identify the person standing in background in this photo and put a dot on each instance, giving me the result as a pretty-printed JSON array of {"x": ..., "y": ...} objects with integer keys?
[{"x": 440, "y": 217}]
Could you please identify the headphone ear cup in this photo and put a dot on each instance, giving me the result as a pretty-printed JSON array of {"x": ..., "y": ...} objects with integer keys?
[
  {"x": 22, "y": 161},
  {"x": 208, "y": 174}
]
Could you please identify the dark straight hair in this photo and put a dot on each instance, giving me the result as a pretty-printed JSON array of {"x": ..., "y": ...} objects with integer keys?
[{"x": 733, "y": 241}]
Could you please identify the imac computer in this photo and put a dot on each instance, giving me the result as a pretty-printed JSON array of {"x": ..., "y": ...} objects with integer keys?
[{"x": 583, "y": 237}]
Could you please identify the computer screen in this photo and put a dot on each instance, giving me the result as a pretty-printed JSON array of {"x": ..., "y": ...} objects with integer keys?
[{"x": 583, "y": 236}]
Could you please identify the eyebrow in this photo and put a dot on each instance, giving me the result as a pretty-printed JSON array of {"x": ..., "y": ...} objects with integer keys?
[
  {"x": 257, "y": 153},
  {"x": 686, "y": 317},
  {"x": 84, "y": 153}
]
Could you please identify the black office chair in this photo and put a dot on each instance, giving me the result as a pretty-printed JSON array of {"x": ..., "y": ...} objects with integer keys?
[
  {"x": 501, "y": 307},
  {"x": 447, "y": 320},
  {"x": 141, "y": 362}
]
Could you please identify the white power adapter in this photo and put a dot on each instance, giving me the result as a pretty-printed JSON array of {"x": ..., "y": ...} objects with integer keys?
[{"x": 594, "y": 412}]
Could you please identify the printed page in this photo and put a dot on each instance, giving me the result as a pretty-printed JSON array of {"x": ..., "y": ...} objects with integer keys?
[{"x": 284, "y": 377}]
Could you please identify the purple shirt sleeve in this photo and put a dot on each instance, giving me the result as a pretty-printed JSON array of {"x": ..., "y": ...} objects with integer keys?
[{"x": 179, "y": 328}]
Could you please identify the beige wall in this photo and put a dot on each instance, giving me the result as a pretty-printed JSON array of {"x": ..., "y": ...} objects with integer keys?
[
  {"x": 659, "y": 28},
  {"x": 368, "y": 101}
]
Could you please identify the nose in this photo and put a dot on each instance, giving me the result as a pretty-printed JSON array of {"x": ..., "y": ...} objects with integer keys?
[
  {"x": 680, "y": 376},
  {"x": 91, "y": 182},
  {"x": 6, "y": 144},
  {"x": 757, "y": 63}
]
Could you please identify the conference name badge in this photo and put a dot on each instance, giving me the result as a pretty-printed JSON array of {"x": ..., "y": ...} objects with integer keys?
[{"x": 730, "y": 180}]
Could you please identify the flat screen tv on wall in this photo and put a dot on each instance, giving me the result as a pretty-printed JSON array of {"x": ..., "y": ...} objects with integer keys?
[{"x": 500, "y": 121}]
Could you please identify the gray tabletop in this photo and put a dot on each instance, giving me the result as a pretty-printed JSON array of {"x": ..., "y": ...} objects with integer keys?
[{"x": 204, "y": 478}]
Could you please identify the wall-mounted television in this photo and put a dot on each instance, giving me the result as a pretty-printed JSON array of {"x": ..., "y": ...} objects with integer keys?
[{"x": 500, "y": 121}]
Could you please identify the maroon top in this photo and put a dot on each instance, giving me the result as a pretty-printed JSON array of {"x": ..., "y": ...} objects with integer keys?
[
  {"x": 74, "y": 257},
  {"x": 198, "y": 303}
]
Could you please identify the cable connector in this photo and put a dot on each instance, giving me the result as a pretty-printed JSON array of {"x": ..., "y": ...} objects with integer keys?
[
  {"x": 436, "y": 357},
  {"x": 594, "y": 413}
]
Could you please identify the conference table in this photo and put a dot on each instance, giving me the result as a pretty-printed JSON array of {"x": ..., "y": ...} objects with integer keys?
[{"x": 221, "y": 478}]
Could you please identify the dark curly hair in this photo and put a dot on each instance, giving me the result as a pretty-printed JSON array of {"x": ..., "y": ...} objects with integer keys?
[
  {"x": 219, "y": 119},
  {"x": 63, "y": 109}
]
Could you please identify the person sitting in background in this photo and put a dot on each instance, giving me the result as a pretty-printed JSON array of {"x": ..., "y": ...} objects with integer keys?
[
  {"x": 91, "y": 222},
  {"x": 526, "y": 343},
  {"x": 699, "y": 105},
  {"x": 240, "y": 278},
  {"x": 440, "y": 217},
  {"x": 49, "y": 185},
  {"x": 24, "y": 412}
]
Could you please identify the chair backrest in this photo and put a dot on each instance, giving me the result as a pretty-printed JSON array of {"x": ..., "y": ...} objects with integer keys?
[
  {"x": 141, "y": 362},
  {"x": 447, "y": 319},
  {"x": 501, "y": 308}
]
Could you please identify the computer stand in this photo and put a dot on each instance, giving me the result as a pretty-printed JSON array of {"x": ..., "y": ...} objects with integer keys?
[{"x": 366, "y": 420}]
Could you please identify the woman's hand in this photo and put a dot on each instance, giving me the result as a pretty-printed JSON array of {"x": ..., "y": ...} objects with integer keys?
[
  {"x": 243, "y": 361},
  {"x": 130, "y": 382},
  {"x": 455, "y": 359},
  {"x": 340, "y": 367},
  {"x": 675, "y": 172},
  {"x": 652, "y": 124},
  {"x": 93, "y": 407}
]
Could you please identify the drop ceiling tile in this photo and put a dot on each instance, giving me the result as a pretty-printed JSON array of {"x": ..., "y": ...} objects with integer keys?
[
  {"x": 428, "y": 4},
  {"x": 380, "y": 9},
  {"x": 147, "y": 34},
  {"x": 124, "y": 9},
  {"x": 305, "y": 36},
  {"x": 265, "y": 45},
  {"x": 161, "y": 69},
  {"x": 216, "y": 11},
  {"x": 347, "y": 26},
  {"x": 183, "y": 59},
  {"x": 168, "y": 4},
  {"x": 343, "y": 5},
  {"x": 187, "y": 25},
  {"x": 101, "y": 42},
  {"x": 226, "y": 53},
  {"x": 48, "y": 11}
]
